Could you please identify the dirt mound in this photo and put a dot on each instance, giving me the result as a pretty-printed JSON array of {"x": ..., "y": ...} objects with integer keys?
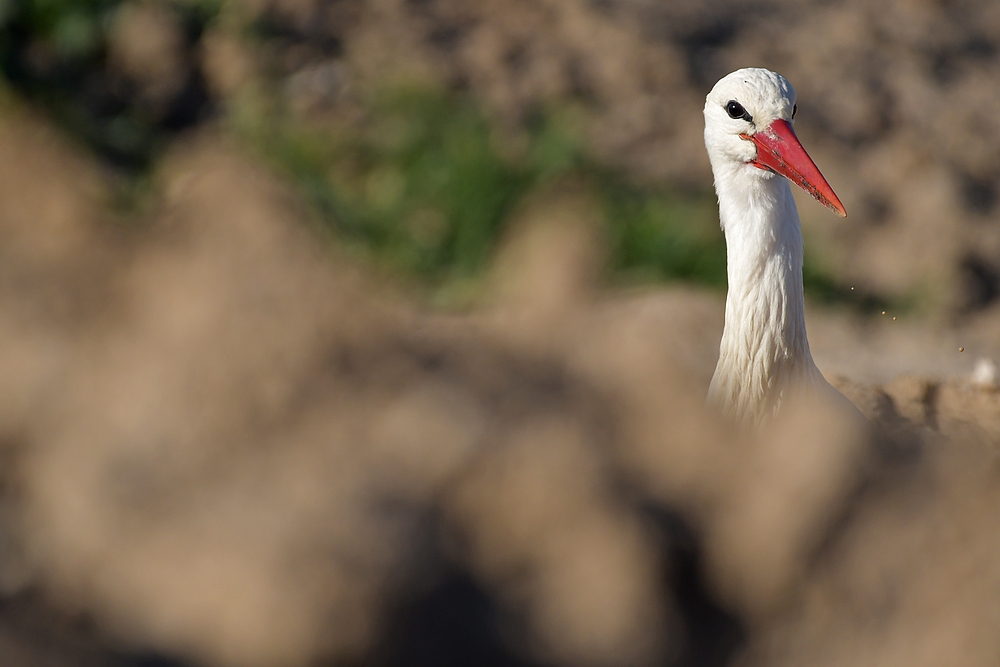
[{"x": 224, "y": 442}]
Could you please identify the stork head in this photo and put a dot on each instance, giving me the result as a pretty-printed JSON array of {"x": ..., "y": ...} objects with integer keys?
[{"x": 748, "y": 128}]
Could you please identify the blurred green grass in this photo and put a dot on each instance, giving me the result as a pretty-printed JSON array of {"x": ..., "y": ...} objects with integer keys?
[
  {"x": 424, "y": 186},
  {"x": 427, "y": 184}
]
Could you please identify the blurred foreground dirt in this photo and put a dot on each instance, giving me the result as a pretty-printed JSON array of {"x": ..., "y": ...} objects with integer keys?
[{"x": 225, "y": 444}]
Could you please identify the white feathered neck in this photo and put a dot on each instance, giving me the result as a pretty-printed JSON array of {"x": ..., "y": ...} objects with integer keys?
[{"x": 764, "y": 354}]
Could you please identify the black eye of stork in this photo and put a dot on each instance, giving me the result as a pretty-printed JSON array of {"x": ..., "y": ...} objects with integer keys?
[{"x": 736, "y": 110}]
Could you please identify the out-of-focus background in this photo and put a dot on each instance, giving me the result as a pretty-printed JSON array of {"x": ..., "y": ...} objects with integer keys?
[{"x": 376, "y": 333}]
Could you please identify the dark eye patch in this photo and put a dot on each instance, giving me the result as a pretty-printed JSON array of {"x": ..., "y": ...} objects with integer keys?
[{"x": 736, "y": 110}]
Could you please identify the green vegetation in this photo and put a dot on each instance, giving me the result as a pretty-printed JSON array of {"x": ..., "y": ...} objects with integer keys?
[
  {"x": 427, "y": 184},
  {"x": 424, "y": 186},
  {"x": 663, "y": 234}
]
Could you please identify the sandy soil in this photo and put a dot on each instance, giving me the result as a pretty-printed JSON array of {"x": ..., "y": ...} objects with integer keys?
[{"x": 226, "y": 444}]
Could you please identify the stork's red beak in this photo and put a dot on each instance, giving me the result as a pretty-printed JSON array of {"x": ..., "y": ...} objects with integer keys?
[{"x": 779, "y": 150}]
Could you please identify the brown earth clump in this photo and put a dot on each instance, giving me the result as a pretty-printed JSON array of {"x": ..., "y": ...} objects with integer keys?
[{"x": 225, "y": 443}]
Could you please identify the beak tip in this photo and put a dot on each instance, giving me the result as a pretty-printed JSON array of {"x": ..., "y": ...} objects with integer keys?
[
  {"x": 779, "y": 150},
  {"x": 833, "y": 203}
]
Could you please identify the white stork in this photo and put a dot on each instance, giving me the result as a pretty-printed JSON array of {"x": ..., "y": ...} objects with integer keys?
[{"x": 764, "y": 355}]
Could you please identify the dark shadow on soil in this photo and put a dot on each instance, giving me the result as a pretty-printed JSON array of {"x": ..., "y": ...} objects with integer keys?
[
  {"x": 713, "y": 635},
  {"x": 38, "y": 633},
  {"x": 458, "y": 623},
  {"x": 454, "y": 624}
]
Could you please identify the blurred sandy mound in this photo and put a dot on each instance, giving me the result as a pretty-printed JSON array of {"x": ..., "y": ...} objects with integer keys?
[
  {"x": 237, "y": 456},
  {"x": 912, "y": 580},
  {"x": 224, "y": 443}
]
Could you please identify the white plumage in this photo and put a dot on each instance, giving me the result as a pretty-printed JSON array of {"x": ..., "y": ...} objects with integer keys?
[{"x": 764, "y": 356}]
